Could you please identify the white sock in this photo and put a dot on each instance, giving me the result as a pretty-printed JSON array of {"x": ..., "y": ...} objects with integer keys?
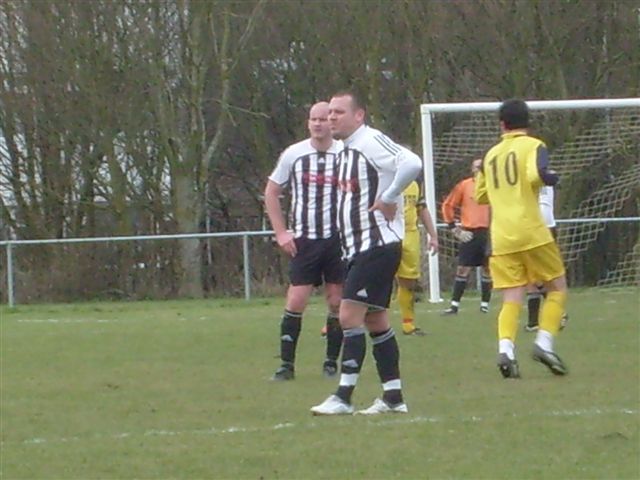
[
  {"x": 484, "y": 304},
  {"x": 506, "y": 346},
  {"x": 544, "y": 340},
  {"x": 348, "y": 379}
]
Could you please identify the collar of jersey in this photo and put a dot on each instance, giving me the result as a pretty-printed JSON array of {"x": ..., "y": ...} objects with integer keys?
[
  {"x": 355, "y": 135},
  {"x": 513, "y": 134}
]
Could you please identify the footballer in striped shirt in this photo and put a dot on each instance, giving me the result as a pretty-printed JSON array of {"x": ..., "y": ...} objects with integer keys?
[
  {"x": 310, "y": 170},
  {"x": 372, "y": 174}
]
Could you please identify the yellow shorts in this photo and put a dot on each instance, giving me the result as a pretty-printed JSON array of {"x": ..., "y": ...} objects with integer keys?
[
  {"x": 540, "y": 264},
  {"x": 410, "y": 260}
]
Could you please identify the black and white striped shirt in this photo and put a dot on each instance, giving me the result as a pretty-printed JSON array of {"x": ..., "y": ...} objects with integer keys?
[
  {"x": 371, "y": 165},
  {"x": 313, "y": 178}
]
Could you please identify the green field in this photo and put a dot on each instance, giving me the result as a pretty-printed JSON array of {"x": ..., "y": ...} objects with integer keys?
[{"x": 180, "y": 389}]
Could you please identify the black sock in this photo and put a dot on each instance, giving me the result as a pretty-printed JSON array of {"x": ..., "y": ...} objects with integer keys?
[
  {"x": 458, "y": 289},
  {"x": 289, "y": 333},
  {"x": 533, "y": 306},
  {"x": 334, "y": 338},
  {"x": 486, "y": 285},
  {"x": 387, "y": 355},
  {"x": 353, "y": 351}
]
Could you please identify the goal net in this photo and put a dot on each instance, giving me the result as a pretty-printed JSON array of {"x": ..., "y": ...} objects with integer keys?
[{"x": 595, "y": 147}]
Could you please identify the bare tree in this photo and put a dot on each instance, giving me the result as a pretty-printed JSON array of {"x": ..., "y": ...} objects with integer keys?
[{"x": 189, "y": 44}]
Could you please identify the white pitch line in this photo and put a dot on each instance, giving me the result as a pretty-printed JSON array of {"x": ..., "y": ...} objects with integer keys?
[
  {"x": 93, "y": 320},
  {"x": 66, "y": 320},
  {"x": 397, "y": 420}
]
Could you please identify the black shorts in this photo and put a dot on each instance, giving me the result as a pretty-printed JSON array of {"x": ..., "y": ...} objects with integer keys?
[
  {"x": 476, "y": 251},
  {"x": 317, "y": 261},
  {"x": 370, "y": 276}
]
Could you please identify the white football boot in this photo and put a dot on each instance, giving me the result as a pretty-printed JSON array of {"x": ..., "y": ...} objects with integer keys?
[
  {"x": 380, "y": 406},
  {"x": 332, "y": 406}
]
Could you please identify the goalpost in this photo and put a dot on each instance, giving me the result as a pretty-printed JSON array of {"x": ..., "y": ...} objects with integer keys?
[{"x": 594, "y": 146}]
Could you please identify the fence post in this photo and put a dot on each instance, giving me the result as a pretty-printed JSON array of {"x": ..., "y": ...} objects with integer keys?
[
  {"x": 10, "y": 297},
  {"x": 247, "y": 267}
]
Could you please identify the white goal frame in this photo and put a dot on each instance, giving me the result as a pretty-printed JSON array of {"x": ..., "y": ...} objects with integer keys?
[{"x": 428, "y": 109}]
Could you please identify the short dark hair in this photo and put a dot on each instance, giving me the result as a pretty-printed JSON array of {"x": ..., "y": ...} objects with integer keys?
[
  {"x": 514, "y": 113},
  {"x": 356, "y": 98}
]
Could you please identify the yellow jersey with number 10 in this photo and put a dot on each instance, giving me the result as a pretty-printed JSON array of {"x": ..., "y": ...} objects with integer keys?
[{"x": 509, "y": 181}]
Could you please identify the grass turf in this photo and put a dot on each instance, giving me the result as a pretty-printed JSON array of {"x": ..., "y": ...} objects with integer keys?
[{"x": 180, "y": 389}]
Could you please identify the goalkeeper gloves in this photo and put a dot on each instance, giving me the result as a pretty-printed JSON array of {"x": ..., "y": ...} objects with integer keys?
[{"x": 463, "y": 235}]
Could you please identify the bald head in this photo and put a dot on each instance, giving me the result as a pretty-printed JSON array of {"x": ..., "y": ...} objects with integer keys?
[
  {"x": 475, "y": 165},
  {"x": 318, "y": 122},
  {"x": 320, "y": 108}
]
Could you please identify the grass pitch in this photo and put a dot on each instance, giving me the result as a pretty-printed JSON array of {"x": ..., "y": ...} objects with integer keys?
[{"x": 180, "y": 390}]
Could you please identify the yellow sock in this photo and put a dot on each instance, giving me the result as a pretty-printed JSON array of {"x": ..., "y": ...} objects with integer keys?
[
  {"x": 405, "y": 302},
  {"x": 552, "y": 310},
  {"x": 508, "y": 320}
]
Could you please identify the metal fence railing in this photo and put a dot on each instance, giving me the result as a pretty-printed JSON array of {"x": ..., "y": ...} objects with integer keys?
[
  {"x": 244, "y": 236},
  {"x": 9, "y": 244}
]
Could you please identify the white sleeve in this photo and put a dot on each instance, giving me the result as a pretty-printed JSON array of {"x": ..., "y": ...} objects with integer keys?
[
  {"x": 545, "y": 199},
  {"x": 282, "y": 172},
  {"x": 407, "y": 170}
]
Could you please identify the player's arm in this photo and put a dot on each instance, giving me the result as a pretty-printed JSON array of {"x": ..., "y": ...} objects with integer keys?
[
  {"x": 407, "y": 169},
  {"x": 426, "y": 218},
  {"x": 427, "y": 221},
  {"x": 451, "y": 202},
  {"x": 285, "y": 240},
  {"x": 480, "y": 187},
  {"x": 538, "y": 171},
  {"x": 545, "y": 200},
  {"x": 272, "y": 194}
]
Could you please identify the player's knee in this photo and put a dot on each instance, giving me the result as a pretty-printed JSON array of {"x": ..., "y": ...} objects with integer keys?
[
  {"x": 296, "y": 306},
  {"x": 352, "y": 314},
  {"x": 377, "y": 322},
  {"x": 407, "y": 283},
  {"x": 333, "y": 305},
  {"x": 463, "y": 271},
  {"x": 297, "y": 299},
  {"x": 557, "y": 285},
  {"x": 513, "y": 294},
  {"x": 333, "y": 296}
]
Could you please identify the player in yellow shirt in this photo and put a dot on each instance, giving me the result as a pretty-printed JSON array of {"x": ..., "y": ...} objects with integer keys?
[
  {"x": 523, "y": 249},
  {"x": 409, "y": 270}
]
